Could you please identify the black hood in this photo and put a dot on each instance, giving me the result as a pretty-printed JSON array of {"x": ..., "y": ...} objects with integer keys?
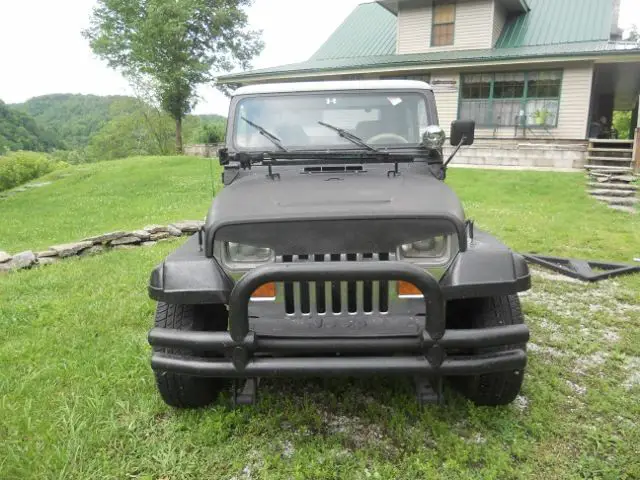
[{"x": 349, "y": 199}]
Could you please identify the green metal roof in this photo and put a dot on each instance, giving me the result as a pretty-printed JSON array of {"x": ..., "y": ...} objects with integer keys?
[
  {"x": 552, "y": 28},
  {"x": 432, "y": 59},
  {"x": 369, "y": 30},
  {"x": 551, "y": 22}
]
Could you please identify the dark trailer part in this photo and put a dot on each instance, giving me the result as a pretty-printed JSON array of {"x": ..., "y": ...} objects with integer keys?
[{"x": 586, "y": 270}]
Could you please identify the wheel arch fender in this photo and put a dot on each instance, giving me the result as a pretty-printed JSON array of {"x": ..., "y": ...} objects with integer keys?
[
  {"x": 487, "y": 268},
  {"x": 188, "y": 277}
]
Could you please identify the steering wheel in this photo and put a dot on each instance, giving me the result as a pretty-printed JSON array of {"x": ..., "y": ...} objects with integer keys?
[{"x": 385, "y": 138}]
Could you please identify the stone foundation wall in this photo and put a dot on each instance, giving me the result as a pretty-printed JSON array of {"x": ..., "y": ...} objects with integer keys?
[
  {"x": 523, "y": 154},
  {"x": 202, "y": 150},
  {"x": 145, "y": 237}
]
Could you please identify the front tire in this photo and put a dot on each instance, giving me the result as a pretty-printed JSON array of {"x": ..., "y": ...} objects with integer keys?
[
  {"x": 491, "y": 389},
  {"x": 187, "y": 391}
]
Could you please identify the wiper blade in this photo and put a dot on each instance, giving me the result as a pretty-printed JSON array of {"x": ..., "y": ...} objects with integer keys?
[
  {"x": 349, "y": 136},
  {"x": 267, "y": 134}
]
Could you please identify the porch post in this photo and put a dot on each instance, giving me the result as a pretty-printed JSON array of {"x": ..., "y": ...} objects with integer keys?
[{"x": 636, "y": 143}]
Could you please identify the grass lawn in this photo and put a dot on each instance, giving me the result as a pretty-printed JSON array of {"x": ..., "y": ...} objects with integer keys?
[
  {"x": 77, "y": 397},
  {"x": 107, "y": 196}
]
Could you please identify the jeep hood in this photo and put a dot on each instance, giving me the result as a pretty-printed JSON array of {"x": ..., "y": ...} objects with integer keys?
[{"x": 351, "y": 200}]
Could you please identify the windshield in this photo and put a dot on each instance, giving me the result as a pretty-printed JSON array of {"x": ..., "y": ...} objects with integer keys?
[{"x": 377, "y": 118}]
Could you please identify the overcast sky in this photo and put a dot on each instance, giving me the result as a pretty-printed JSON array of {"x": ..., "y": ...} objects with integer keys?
[{"x": 42, "y": 50}]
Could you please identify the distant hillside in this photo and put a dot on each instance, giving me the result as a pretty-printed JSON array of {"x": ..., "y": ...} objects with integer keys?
[
  {"x": 19, "y": 131},
  {"x": 74, "y": 118},
  {"x": 211, "y": 118}
]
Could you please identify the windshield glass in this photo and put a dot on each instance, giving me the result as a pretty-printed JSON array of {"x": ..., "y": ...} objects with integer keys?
[{"x": 378, "y": 118}]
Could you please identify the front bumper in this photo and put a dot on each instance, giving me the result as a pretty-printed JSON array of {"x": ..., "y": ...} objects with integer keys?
[{"x": 241, "y": 353}]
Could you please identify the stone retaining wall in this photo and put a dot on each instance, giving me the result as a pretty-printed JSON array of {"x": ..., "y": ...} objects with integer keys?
[
  {"x": 145, "y": 237},
  {"x": 202, "y": 150},
  {"x": 523, "y": 154}
]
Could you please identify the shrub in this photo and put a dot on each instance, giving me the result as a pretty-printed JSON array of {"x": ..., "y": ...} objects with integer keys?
[
  {"x": 72, "y": 157},
  {"x": 210, "y": 133},
  {"x": 19, "y": 167}
]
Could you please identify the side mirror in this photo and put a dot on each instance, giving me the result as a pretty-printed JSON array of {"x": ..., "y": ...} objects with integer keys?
[{"x": 463, "y": 132}]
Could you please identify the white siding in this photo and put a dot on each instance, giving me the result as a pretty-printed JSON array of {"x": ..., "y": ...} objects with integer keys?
[
  {"x": 414, "y": 29},
  {"x": 472, "y": 27},
  {"x": 446, "y": 97},
  {"x": 499, "y": 19},
  {"x": 574, "y": 102}
]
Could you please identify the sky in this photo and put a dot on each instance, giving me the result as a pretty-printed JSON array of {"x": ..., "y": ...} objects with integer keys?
[{"x": 42, "y": 50}]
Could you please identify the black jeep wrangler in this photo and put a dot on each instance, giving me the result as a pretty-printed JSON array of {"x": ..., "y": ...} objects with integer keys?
[{"x": 336, "y": 248}]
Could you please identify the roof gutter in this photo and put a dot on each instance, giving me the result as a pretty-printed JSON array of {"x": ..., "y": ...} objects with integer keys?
[{"x": 624, "y": 55}]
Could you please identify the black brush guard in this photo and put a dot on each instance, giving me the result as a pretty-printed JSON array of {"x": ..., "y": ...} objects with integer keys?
[{"x": 423, "y": 354}]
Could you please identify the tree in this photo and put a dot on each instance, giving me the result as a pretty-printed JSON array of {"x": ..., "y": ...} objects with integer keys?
[
  {"x": 634, "y": 34},
  {"x": 210, "y": 132},
  {"x": 172, "y": 46}
]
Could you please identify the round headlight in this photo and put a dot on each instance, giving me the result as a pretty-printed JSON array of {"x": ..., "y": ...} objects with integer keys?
[
  {"x": 238, "y": 253},
  {"x": 433, "y": 137},
  {"x": 435, "y": 247}
]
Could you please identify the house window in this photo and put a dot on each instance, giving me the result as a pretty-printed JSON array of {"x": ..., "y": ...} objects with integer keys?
[
  {"x": 444, "y": 21},
  {"x": 510, "y": 99}
]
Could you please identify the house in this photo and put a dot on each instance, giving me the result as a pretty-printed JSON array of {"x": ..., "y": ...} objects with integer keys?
[{"x": 535, "y": 75}]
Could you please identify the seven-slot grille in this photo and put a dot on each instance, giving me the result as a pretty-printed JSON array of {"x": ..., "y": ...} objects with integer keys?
[{"x": 325, "y": 298}]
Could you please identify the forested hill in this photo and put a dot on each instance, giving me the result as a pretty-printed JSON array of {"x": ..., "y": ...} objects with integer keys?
[
  {"x": 19, "y": 131},
  {"x": 212, "y": 117},
  {"x": 76, "y": 118},
  {"x": 73, "y": 118}
]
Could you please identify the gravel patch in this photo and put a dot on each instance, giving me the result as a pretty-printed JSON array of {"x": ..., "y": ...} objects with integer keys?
[
  {"x": 288, "y": 449},
  {"x": 545, "y": 351},
  {"x": 632, "y": 368},
  {"x": 592, "y": 300},
  {"x": 580, "y": 390},
  {"x": 611, "y": 335},
  {"x": 584, "y": 364},
  {"x": 555, "y": 277},
  {"x": 358, "y": 432},
  {"x": 521, "y": 403}
]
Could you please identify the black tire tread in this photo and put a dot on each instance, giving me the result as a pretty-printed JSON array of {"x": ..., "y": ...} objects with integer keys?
[
  {"x": 500, "y": 388},
  {"x": 186, "y": 391}
]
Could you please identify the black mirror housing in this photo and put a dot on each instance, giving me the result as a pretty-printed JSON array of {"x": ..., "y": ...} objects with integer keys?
[{"x": 463, "y": 132}]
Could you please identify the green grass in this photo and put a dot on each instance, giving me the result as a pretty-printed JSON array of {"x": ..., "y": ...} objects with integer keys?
[
  {"x": 77, "y": 397},
  {"x": 106, "y": 196}
]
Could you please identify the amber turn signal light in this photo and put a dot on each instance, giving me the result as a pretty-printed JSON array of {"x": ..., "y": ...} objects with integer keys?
[
  {"x": 406, "y": 289},
  {"x": 268, "y": 290}
]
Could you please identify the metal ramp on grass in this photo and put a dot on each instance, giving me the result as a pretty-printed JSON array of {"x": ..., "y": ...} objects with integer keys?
[{"x": 589, "y": 271}]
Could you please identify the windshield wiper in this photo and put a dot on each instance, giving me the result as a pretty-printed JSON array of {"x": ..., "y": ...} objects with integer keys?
[
  {"x": 349, "y": 136},
  {"x": 267, "y": 134}
]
